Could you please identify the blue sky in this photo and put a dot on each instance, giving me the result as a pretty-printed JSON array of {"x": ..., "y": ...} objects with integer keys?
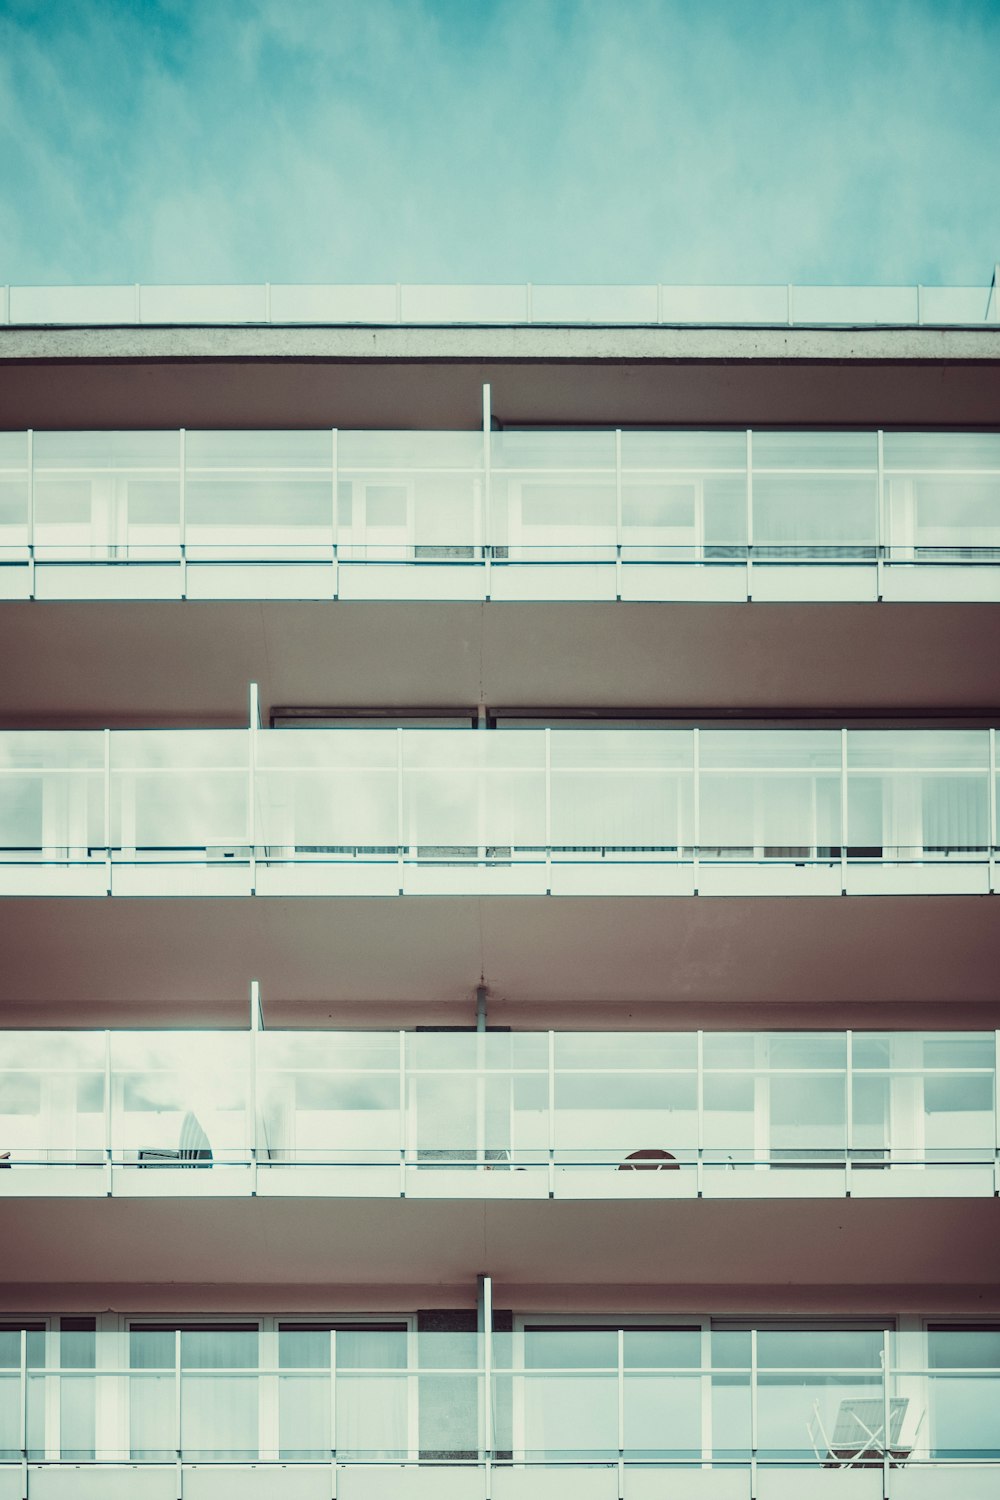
[{"x": 499, "y": 140}]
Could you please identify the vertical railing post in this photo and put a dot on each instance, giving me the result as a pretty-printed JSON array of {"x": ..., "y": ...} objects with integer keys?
[
  {"x": 255, "y": 1028},
  {"x": 108, "y": 882},
  {"x": 994, "y": 834},
  {"x": 700, "y": 1107},
  {"x": 108, "y": 1160},
  {"x": 790, "y": 303},
  {"x": 618, "y": 513},
  {"x": 749, "y": 460},
  {"x": 31, "y": 514},
  {"x": 23, "y": 1434},
  {"x": 849, "y": 1113},
  {"x": 178, "y": 1432},
  {"x": 621, "y": 1412},
  {"x": 486, "y": 502},
  {"x": 404, "y": 1115},
  {"x": 996, "y": 1111},
  {"x": 552, "y": 1114},
  {"x": 696, "y": 809},
  {"x": 252, "y": 783},
  {"x": 754, "y": 1433},
  {"x": 335, "y": 509},
  {"x": 528, "y": 303},
  {"x": 547, "y": 733},
  {"x": 886, "y": 1412},
  {"x": 843, "y": 812},
  {"x": 400, "y": 819},
  {"x": 484, "y": 1300},
  {"x": 880, "y": 526},
  {"x": 182, "y": 507},
  {"x": 333, "y": 1414}
]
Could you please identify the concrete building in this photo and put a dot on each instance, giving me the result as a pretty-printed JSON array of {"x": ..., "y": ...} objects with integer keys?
[{"x": 498, "y": 893}]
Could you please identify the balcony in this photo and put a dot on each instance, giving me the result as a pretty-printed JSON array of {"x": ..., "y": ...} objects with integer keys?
[
  {"x": 633, "y": 516},
  {"x": 535, "y": 1115},
  {"x": 521, "y": 812},
  {"x": 639, "y": 1408}
]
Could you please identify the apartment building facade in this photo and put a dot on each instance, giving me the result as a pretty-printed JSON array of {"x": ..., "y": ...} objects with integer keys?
[{"x": 499, "y": 895}]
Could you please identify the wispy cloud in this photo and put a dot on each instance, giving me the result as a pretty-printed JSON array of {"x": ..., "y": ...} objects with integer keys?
[{"x": 481, "y": 140}]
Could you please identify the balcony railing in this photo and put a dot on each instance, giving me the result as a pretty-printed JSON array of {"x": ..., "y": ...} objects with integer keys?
[
  {"x": 612, "y": 811},
  {"x": 499, "y": 1115},
  {"x": 630, "y": 515},
  {"x": 527, "y": 303},
  {"x": 621, "y": 1408}
]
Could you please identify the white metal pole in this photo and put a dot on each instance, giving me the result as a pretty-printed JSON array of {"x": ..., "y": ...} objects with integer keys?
[{"x": 487, "y": 499}]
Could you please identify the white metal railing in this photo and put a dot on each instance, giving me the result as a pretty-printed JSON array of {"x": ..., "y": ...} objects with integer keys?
[
  {"x": 560, "y": 810},
  {"x": 617, "y": 514},
  {"x": 665, "y": 1393},
  {"x": 525, "y": 303},
  {"x": 568, "y": 1115}
]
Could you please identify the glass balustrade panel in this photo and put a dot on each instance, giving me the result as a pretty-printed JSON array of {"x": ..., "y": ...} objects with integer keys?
[
  {"x": 815, "y": 496},
  {"x": 554, "y": 496},
  {"x": 260, "y": 496},
  {"x": 410, "y": 496},
  {"x": 327, "y": 793},
  {"x": 917, "y": 794},
  {"x": 51, "y": 794},
  {"x": 51, "y": 1098},
  {"x": 465, "y": 793},
  {"x": 107, "y": 496},
  {"x": 942, "y": 496},
  {"x": 179, "y": 793},
  {"x": 819, "y": 1395},
  {"x": 329, "y": 1099},
  {"x": 770, "y": 794},
  {"x": 13, "y": 496},
  {"x": 923, "y": 1099},
  {"x": 621, "y": 792},
  {"x": 178, "y": 1105}
]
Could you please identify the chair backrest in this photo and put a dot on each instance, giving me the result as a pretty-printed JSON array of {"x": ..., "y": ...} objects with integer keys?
[
  {"x": 194, "y": 1143},
  {"x": 860, "y": 1423}
]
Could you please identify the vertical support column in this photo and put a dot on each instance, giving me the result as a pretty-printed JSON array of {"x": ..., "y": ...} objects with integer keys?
[
  {"x": 618, "y": 513},
  {"x": 843, "y": 812},
  {"x": 749, "y": 515},
  {"x": 252, "y": 783},
  {"x": 552, "y": 1114},
  {"x": 31, "y": 514},
  {"x": 484, "y": 1309},
  {"x": 182, "y": 507},
  {"x": 107, "y": 811},
  {"x": 880, "y": 526},
  {"x": 256, "y": 1026},
  {"x": 486, "y": 524},
  {"x": 335, "y": 510}
]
